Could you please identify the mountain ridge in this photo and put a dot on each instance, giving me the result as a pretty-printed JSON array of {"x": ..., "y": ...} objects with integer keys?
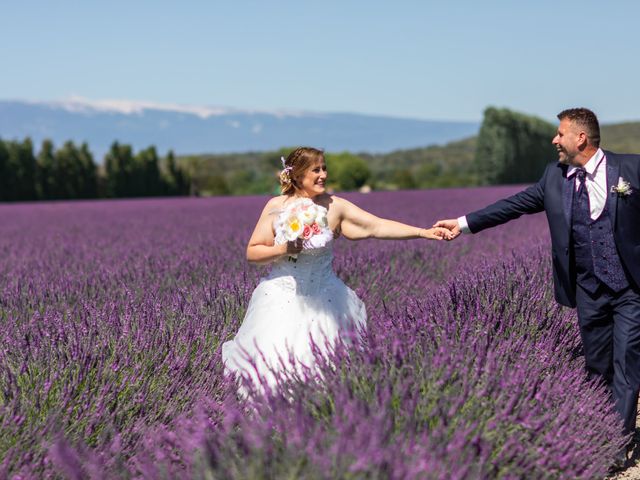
[{"x": 197, "y": 130}]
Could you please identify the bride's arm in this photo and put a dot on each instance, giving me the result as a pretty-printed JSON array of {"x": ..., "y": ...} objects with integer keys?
[
  {"x": 357, "y": 224},
  {"x": 262, "y": 248}
]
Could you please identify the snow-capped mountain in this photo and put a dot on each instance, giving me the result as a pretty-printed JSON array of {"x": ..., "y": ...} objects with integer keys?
[{"x": 198, "y": 129}]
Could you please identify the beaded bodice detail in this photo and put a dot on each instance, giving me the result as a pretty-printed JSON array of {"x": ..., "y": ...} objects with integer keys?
[{"x": 308, "y": 273}]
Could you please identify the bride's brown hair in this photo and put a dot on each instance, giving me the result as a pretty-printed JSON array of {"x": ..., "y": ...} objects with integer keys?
[{"x": 296, "y": 165}]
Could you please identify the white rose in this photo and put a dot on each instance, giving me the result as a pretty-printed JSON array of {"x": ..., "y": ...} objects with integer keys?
[
  {"x": 321, "y": 219},
  {"x": 319, "y": 240},
  {"x": 309, "y": 214}
]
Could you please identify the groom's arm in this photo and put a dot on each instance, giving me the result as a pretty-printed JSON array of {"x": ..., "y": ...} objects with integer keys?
[
  {"x": 530, "y": 200},
  {"x": 526, "y": 202}
]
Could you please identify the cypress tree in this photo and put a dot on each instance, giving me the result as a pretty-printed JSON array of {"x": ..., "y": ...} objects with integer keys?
[
  {"x": 4, "y": 172},
  {"x": 20, "y": 182},
  {"x": 512, "y": 147},
  {"x": 46, "y": 163},
  {"x": 89, "y": 173}
]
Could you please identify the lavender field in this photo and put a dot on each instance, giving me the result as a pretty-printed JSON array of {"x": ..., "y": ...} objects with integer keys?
[{"x": 113, "y": 314}]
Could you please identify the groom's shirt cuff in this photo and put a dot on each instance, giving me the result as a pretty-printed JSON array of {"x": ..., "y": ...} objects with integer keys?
[{"x": 464, "y": 226}]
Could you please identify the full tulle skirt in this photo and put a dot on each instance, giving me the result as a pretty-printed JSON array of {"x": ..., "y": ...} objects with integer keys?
[{"x": 292, "y": 312}]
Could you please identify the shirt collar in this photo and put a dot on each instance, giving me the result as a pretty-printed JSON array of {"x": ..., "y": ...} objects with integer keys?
[{"x": 591, "y": 166}]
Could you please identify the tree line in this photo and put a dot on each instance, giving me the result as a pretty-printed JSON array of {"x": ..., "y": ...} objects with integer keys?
[
  {"x": 510, "y": 147},
  {"x": 70, "y": 172}
]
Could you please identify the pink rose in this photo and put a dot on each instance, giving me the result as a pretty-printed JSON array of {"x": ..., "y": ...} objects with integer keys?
[
  {"x": 315, "y": 228},
  {"x": 307, "y": 233}
]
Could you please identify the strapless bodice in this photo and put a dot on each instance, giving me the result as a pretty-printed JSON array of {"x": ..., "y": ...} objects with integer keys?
[{"x": 307, "y": 275}]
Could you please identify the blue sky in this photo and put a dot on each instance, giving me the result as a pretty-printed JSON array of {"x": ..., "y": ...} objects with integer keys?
[{"x": 419, "y": 59}]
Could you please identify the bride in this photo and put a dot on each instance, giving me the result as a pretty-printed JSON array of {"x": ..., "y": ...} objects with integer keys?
[{"x": 302, "y": 301}]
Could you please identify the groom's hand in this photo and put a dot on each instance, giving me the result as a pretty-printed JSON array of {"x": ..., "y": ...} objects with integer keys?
[{"x": 451, "y": 224}]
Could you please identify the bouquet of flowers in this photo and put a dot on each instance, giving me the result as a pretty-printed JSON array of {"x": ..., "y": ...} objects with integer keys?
[{"x": 303, "y": 219}]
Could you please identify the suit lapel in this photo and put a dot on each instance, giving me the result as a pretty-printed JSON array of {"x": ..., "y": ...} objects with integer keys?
[
  {"x": 567, "y": 195},
  {"x": 613, "y": 173}
]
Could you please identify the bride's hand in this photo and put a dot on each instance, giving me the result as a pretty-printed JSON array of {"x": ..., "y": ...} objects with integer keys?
[
  {"x": 294, "y": 246},
  {"x": 438, "y": 233}
]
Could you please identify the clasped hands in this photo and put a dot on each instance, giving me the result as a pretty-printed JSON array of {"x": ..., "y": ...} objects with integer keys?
[{"x": 446, "y": 229}]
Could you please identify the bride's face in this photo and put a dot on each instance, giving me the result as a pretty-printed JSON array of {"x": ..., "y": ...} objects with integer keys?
[{"x": 313, "y": 181}]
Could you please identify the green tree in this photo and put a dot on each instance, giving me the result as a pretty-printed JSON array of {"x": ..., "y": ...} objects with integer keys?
[
  {"x": 119, "y": 170},
  {"x": 404, "y": 179},
  {"x": 217, "y": 185},
  {"x": 146, "y": 174},
  {"x": 176, "y": 179},
  {"x": 347, "y": 171},
  {"x": 45, "y": 183},
  {"x": 89, "y": 173},
  {"x": 21, "y": 168},
  {"x": 248, "y": 182},
  {"x": 71, "y": 172},
  {"x": 4, "y": 172},
  {"x": 427, "y": 174},
  {"x": 513, "y": 147}
]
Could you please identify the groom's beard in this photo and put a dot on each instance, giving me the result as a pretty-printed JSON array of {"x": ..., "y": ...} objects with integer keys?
[{"x": 563, "y": 158}]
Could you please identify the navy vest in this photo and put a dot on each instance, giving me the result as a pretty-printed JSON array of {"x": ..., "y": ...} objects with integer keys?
[{"x": 596, "y": 256}]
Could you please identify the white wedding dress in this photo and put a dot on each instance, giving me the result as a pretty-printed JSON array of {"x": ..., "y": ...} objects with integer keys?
[{"x": 299, "y": 301}]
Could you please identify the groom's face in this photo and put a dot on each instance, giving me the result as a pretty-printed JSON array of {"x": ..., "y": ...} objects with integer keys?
[{"x": 566, "y": 141}]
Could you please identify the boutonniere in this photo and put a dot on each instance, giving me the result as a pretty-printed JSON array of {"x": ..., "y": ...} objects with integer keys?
[{"x": 623, "y": 188}]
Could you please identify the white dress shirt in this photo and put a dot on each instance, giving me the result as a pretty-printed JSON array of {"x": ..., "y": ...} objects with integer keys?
[{"x": 596, "y": 183}]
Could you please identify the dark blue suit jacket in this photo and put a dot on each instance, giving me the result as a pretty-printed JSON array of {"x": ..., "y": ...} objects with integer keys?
[{"x": 553, "y": 194}]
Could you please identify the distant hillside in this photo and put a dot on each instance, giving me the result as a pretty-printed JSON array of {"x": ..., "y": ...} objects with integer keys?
[
  {"x": 428, "y": 167},
  {"x": 256, "y": 172},
  {"x": 434, "y": 166},
  {"x": 621, "y": 137}
]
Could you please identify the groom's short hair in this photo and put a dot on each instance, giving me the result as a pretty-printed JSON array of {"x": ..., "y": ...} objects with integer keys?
[{"x": 586, "y": 119}]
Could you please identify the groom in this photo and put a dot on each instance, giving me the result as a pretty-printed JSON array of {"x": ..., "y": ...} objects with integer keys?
[{"x": 592, "y": 201}]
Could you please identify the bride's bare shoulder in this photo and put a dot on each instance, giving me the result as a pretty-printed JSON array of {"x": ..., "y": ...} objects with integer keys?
[
  {"x": 274, "y": 205},
  {"x": 276, "y": 202},
  {"x": 340, "y": 203}
]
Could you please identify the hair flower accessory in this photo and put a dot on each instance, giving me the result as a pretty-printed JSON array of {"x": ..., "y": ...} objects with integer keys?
[
  {"x": 623, "y": 188},
  {"x": 285, "y": 178},
  {"x": 285, "y": 169}
]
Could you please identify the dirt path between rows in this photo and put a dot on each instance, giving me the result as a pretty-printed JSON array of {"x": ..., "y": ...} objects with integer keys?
[{"x": 633, "y": 471}]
